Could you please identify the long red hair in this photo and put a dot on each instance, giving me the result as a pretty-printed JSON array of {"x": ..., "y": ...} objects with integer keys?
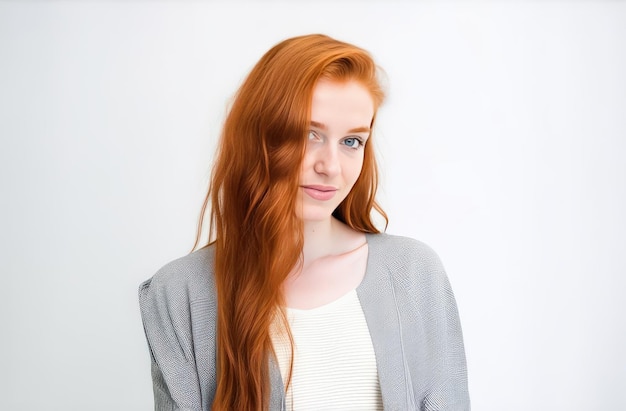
[{"x": 254, "y": 185}]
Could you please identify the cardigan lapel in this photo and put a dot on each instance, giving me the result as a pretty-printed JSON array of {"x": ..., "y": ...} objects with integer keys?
[
  {"x": 378, "y": 301},
  {"x": 277, "y": 395}
]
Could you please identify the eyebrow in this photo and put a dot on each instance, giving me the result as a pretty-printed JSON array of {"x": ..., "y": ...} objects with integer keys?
[{"x": 354, "y": 130}]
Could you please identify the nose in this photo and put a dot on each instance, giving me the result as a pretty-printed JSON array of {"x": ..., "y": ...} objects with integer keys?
[{"x": 327, "y": 161}]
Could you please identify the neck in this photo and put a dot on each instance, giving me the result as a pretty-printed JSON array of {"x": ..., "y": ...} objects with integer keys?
[
  {"x": 328, "y": 237},
  {"x": 318, "y": 239}
]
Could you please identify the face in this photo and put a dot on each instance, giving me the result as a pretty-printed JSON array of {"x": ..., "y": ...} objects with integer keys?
[{"x": 341, "y": 115}]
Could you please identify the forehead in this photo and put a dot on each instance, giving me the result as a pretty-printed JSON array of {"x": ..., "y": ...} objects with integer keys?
[{"x": 342, "y": 105}]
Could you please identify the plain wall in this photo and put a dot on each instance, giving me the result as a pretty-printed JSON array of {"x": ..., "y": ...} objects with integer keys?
[{"x": 501, "y": 144}]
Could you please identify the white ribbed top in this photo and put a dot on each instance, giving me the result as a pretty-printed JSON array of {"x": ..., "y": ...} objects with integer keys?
[{"x": 334, "y": 362}]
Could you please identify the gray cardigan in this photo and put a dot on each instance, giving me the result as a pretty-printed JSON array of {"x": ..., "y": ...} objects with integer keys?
[{"x": 409, "y": 308}]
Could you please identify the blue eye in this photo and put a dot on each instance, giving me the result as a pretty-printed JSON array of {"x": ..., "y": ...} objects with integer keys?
[{"x": 353, "y": 142}]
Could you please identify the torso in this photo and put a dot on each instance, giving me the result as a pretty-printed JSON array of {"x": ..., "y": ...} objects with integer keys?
[{"x": 406, "y": 300}]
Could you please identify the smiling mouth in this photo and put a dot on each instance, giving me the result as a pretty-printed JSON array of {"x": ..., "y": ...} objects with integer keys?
[{"x": 320, "y": 193}]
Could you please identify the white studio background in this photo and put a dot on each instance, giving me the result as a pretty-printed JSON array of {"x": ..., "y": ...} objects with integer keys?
[{"x": 502, "y": 145}]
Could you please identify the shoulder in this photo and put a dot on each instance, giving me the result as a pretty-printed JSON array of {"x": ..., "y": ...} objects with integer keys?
[
  {"x": 403, "y": 252},
  {"x": 188, "y": 278},
  {"x": 411, "y": 265}
]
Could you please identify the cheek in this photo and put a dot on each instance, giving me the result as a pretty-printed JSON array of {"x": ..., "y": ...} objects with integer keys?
[{"x": 353, "y": 170}]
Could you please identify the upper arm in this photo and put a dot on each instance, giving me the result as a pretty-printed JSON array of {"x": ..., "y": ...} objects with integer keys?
[
  {"x": 166, "y": 320},
  {"x": 441, "y": 346}
]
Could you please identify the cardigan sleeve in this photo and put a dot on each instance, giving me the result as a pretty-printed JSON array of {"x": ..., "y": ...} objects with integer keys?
[
  {"x": 448, "y": 389},
  {"x": 165, "y": 313}
]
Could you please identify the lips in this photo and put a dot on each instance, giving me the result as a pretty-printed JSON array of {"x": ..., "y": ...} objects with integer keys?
[{"x": 320, "y": 193}]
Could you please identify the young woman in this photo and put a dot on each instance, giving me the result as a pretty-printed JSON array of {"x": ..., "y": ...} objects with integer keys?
[{"x": 299, "y": 302}]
